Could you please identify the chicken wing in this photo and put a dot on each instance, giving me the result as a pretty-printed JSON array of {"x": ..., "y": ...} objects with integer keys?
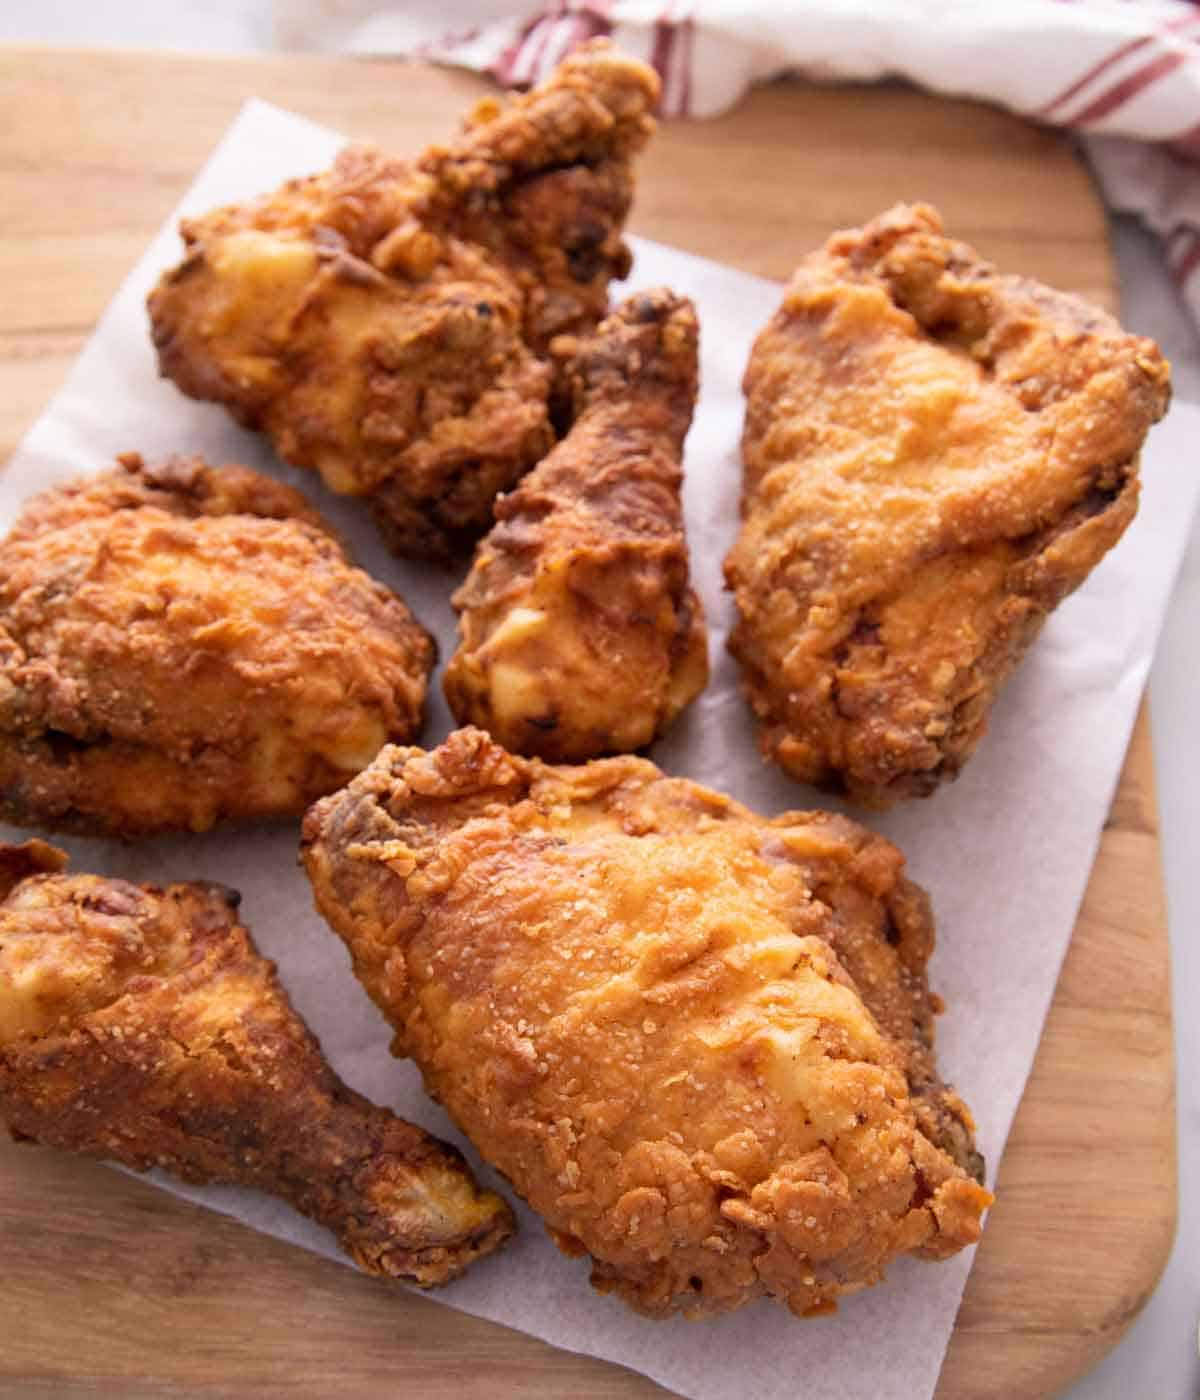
[
  {"x": 580, "y": 633},
  {"x": 182, "y": 644},
  {"x": 140, "y": 1025},
  {"x": 387, "y": 323},
  {"x": 936, "y": 454},
  {"x": 698, "y": 1042}
]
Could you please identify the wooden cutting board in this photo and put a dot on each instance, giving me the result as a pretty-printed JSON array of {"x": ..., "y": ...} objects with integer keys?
[{"x": 108, "y": 1283}]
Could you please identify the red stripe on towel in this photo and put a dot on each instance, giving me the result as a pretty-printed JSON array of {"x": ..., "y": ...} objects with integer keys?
[
  {"x": 1180, "y": 22},
  {"x": 1115, "y": 57},
  {"x": 1129, "y": 87},
  {"x": 1188, "y": 260}
]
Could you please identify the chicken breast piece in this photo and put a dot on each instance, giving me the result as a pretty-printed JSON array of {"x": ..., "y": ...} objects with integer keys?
[
  {"x": 140, "y": 1025},
  {"x": 580, "y": 633},
  {"x": 183, "y": 644},
  {"x": 387, "y": 323},
  {"x": 936, "y": 454},
  {"x": 698, "y": 1042}
]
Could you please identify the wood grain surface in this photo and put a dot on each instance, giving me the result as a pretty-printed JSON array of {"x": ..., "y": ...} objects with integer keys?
[{"x": 111, "y": 1285}]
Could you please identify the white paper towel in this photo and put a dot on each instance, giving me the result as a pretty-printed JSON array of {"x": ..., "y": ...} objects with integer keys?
[{"x": 1005, "y": 852}]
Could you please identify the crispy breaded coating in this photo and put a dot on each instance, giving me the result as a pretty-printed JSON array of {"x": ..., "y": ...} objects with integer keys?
[
  {"x": 698, "y": 1042},
  {"x": 543, "y": 182},
  {"x": 183, "y": 644},
  {"x": 387, "y": 323},
  {"x": 140, "y": 1025},
  {"x": 936, "y": 455},
  {"x": 580, "y": 634}
]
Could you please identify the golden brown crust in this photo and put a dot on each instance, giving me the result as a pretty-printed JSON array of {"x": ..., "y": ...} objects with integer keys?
[
  {"x": 698, "y": 1042},
  {"x": 936, "y": 454},
  {"x": 386, "y": 323},
  {"x": 544, "y": 182},
  {"x": 140, "y": 1025},
  {"x": 33, "y": 857},
  {"x": 182, "y": 644},
  {"x": 580, "y": 634}
]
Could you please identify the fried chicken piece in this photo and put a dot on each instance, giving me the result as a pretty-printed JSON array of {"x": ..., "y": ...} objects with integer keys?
[
  {"x": 387, "y": 323},
  {"x": 580, "y": 633},
  {"x": 936, "y": 455},
  {"x": 698, "y": 1042},
  {"x": 544, "y": 183},
  {"x": 140, "y": 1025},
  {"x": 182, "y": 644}
]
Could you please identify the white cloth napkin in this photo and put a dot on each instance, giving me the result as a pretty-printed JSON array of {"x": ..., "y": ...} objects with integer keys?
[
  {"x": 1005, "y": 851},
  {"x": 1125, "y": 74}
]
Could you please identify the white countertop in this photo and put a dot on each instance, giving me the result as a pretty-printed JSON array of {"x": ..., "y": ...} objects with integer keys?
[{"x": 1158, "y": 1359}]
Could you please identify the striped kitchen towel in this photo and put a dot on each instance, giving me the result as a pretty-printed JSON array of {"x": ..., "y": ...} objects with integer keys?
[{"x": 1124, "y": 74}]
